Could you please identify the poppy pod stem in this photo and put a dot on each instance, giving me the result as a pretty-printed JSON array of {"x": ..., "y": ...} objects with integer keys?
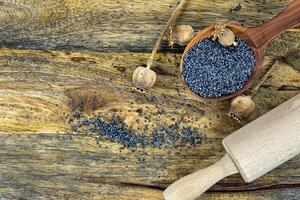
[
  {"x": 144, "y": 77},
  {"x": 149, "y": 63},
  {"x": 162, "y": 34}
]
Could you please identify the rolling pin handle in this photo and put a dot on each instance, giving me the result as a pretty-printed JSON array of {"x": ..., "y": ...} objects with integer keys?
[{"x": 193, "y": 185}]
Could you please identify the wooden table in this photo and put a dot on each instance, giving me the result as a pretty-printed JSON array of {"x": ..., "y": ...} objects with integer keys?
[{"x": 67, "y": 56}]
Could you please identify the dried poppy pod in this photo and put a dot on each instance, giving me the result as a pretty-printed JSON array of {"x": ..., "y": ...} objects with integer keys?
[
  {"x": 225, "y": 36},
  {"x": 143, "y": 77},
  {"x": 181, "y": 35},
  {"x": 241, "y": 107}
]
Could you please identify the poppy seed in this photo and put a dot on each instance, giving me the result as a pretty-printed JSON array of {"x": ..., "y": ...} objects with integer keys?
[
  {"x": 212, "y": 70},
  {"x": 115, "y": 130}
]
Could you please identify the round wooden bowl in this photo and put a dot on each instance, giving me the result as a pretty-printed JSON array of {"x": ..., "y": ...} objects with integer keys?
[{"x": 239, "y": 32}]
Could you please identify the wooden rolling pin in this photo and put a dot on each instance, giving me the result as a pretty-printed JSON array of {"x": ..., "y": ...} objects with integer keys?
[{"x": 252, "y": 151}]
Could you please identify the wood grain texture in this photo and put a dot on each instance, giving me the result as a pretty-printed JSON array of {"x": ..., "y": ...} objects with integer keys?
[
  {"x": 42, "y": 158},
  {"x": 267, "y": 142},
  {"x": 286, "y": 19},
  {"x": 252, "y": 151},
  {"x": 194, "y": 185},
  {"x": 108, "y": 25}
]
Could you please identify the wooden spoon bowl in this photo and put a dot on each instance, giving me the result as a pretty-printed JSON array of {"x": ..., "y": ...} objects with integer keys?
[{"x": 257, "y": 38}]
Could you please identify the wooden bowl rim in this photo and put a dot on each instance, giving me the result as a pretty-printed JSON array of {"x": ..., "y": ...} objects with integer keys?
[{"x": 239, "y": 32}]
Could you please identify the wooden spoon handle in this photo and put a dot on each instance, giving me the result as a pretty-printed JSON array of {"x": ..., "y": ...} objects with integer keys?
[
  {"x": 193, "y": 185},
  {"x": 288, "y": 18}
]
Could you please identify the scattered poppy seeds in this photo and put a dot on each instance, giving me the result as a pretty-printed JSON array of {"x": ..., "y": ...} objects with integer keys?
[{"x": 114, "y": 130}]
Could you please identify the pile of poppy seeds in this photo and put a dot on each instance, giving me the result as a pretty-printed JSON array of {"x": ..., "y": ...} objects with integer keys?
[
  {"x": 212, "y": 70},
  {"x": 114, "y": 130}
]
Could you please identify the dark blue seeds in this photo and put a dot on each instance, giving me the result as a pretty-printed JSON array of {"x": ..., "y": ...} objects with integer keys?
[
  {"x": 116, "y": 131},
  {"x": 212, "y": 70}
]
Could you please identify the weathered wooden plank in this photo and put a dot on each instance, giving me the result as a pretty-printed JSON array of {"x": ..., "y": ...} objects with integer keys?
[
  {"x": 289, "y": 194},
  {"x": 108, "y": 25},
  {"x": 42, "y": 157},
  {"x": 35, "y": 85},
  {"x": 71, "y": 166}
]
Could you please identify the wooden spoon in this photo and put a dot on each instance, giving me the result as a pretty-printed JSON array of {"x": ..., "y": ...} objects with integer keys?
[{"x": 258, "y": 38}]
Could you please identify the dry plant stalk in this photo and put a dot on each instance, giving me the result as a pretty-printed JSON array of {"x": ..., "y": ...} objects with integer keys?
[
  {"x": 144, "y": 77},
  {"x": 163, "y": 32},
  {"x": 266, "y": 75}
]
